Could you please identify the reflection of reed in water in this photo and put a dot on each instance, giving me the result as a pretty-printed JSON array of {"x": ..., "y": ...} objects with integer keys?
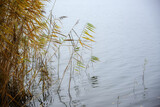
[
  {"x": 94, "y": 81},
  {"x": 136, "y": 85},
  {"x": 143, "y": 78},
  {"x": 60, "y": 99},
  {"x": 77, "y": 90},
  {"x": 144, "y": 68}
]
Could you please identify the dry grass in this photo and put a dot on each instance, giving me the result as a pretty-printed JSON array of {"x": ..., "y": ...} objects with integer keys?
[{"x": 26, "y": 36}]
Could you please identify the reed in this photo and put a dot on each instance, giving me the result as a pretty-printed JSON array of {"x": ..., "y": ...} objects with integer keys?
[{"x": 26, "y": 36}]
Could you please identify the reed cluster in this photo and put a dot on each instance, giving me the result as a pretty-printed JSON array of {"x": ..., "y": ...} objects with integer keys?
[{"x": 26, "y": 36}]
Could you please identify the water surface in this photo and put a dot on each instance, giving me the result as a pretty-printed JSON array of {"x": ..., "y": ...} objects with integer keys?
[{"x": 127, "y": 43}]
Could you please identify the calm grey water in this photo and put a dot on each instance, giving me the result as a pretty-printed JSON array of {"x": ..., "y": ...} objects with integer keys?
[{"x": 127, "y": 37}]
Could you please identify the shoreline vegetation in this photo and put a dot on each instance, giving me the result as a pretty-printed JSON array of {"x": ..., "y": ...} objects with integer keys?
[{"x": 26, "y": 38}]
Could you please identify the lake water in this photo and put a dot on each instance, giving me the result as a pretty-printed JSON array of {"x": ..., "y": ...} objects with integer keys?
[{"x": 127, "y": 44}]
